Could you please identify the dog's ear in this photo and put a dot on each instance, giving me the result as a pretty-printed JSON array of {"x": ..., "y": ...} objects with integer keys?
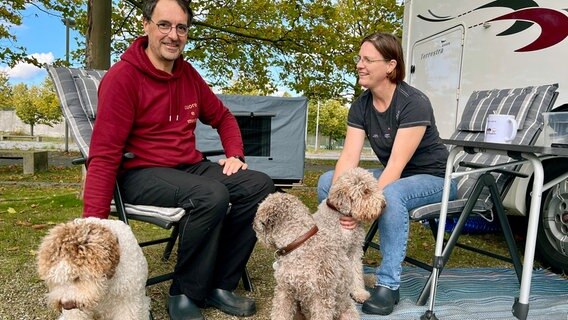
[
  {"x": 265, "y": 219},
  {"x": 339, "y": 194},
  {"x": 113, "y": 255},
  {"x": 47, "y": 253},
  {"x": 276, "y": 210},
  {"x": 367, "y": 199}
]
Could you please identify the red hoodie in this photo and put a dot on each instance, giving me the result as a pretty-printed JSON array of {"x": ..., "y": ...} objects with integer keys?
[{"x": 152, "y": 114}]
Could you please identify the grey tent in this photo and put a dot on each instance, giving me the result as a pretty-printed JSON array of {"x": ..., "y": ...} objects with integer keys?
[{"x": 273, "y": 130}]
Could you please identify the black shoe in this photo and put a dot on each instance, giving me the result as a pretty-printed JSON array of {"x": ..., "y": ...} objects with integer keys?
[
  {"x": 382, "y": 301},
  {"x": 180, "y": 307},
  {"x": 230, "y": 303}
]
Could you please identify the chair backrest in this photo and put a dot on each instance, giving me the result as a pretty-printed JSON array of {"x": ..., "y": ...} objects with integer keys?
[
  {"x": 526, "y": 104},
  {"x": 77, "y": 92}
]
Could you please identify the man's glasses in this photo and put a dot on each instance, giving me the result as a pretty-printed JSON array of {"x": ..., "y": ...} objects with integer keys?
[
  {"x": 367, "y": 60},
  {"x": 166, "y": 27}
]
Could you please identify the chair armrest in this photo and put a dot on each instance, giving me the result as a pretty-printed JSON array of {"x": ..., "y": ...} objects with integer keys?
[
  {"x": 130, "y": 155},
  {"x": 503, "y": 171},
  {"x": 83, "y": 160},
  {"x": 210, "y": 153},
  {"x": 78, "y": 161}
]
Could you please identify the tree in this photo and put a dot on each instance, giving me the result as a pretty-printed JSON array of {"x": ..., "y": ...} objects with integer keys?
[
  {"x": 306, "y": 46},
  {"x": 332, "y": 120},
  {"x": 247, "y": 86},
  {"x": 22, "y": 101},
  {"x": 36, "y": 105},
  {"x": 48, "y": 104},
  {"x": 5, "y": 92}
]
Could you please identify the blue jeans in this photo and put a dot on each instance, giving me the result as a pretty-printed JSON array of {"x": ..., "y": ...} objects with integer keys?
[{"x": 401, "y": 196}]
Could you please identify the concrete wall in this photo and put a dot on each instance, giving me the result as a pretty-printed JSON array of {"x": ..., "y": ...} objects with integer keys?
[{"x": 10, "y": 123}]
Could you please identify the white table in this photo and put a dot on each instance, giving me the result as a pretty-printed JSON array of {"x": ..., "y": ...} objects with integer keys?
[{"x": 533, "y": 155}]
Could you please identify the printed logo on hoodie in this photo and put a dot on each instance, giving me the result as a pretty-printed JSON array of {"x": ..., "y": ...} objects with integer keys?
[{"x": 192, "y": 115}]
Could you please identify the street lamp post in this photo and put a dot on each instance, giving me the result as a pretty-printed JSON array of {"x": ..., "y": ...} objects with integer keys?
[
  {"x": 317, "y": 126},
  {"x": 69, "y": 23}
]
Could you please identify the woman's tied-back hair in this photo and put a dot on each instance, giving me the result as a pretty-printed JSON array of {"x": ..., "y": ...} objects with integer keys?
[
  {"x": 149, "y": 5},
  {"x": 390, "y": 48}
]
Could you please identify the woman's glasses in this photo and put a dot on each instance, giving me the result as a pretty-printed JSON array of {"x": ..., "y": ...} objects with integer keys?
[{"x": 367, "y": 60}]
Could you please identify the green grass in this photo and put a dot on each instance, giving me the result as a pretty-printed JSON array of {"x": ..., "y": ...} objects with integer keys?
[{"x": 31, "y": 204}]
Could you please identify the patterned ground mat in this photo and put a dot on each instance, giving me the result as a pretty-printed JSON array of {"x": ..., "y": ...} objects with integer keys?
[{"x": 484, "y": 293}]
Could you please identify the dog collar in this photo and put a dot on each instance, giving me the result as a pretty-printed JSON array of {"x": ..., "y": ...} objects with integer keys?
[{"x": 296, "y": 243}]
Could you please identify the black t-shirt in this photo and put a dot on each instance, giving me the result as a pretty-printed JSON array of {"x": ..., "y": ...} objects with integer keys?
[{"x": 409, "y": 108}]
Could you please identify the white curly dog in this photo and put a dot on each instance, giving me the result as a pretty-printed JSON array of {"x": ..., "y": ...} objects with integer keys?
[
  {"x": 94, "y": 269},
  {"x": 318, "y": 268}
]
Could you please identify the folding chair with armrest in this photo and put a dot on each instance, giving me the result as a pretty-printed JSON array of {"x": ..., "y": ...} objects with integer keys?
[
  {"x": 483, "y": 193},
  {"x": 77, "y": 92}
]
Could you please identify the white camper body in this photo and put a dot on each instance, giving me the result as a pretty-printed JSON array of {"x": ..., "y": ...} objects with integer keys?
[{"x": 453, "y": 48}]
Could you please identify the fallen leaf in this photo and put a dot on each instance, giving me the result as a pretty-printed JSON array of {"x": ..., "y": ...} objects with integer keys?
[
  {"x": 23, "y": 223},
  {"x": 11, "y": 210},
  {"x": 39, "y": 226}
]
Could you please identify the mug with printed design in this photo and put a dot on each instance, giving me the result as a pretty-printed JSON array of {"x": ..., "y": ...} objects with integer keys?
[{"x": 500, "y": 128}]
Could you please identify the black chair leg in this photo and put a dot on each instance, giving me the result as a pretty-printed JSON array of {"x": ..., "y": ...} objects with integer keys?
[
  {"x": 171, "y": 242},
  {"x": 369, "y": 237},
  {"x": 247, "y": 283},
  {"x": 506, "y": 228}
]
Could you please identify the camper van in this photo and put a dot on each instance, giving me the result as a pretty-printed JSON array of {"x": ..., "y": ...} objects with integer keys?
[{"x": 453, "y": 48}]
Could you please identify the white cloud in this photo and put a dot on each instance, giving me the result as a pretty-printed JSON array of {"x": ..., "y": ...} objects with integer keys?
[{"x": 25, "y": 71}]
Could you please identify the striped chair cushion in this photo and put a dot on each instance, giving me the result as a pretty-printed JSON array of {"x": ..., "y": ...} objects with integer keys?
[
  {"x": 514, "y": 102},
  {"x": 78, "y": 87},
  {"x": 454, "y": 207}
]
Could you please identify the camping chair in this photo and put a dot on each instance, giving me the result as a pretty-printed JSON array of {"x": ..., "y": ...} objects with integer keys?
[
  {"x": 77, "y": 91},
  {"x": 483, "y": 193}
]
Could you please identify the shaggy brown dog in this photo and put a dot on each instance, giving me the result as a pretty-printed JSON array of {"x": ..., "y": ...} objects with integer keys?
[
  {"x": 356, "y": 194},
  {"x": 311, "y": 277},
  {"x": 82, "y": 264},
  {"x": 318, "y": 263}
]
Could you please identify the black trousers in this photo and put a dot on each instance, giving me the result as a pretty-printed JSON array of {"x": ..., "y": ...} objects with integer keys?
[{"x": 214, "y": 245}]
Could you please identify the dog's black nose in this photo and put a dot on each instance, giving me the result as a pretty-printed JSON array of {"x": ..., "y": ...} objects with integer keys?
[{"x": 68, "y": 305}]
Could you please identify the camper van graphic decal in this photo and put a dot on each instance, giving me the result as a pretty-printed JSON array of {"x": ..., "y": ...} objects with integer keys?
[{"x": 553, "y": 23}]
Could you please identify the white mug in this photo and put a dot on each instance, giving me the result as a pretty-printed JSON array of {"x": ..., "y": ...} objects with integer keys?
[{"x": 500, "y": 128}]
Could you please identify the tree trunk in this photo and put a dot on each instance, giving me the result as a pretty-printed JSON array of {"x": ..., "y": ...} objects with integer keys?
[
  {"x": 31, "y": 129},
  {"x": 99, "y": 33}
]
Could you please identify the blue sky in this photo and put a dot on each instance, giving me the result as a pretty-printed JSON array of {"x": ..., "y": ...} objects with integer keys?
[{"x": 43, "y": 35}]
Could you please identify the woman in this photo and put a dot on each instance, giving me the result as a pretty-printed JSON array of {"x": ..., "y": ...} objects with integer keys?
[{"x": 398, "y": 121}]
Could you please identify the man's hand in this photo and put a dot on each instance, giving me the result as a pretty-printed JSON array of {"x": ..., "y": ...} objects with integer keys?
[
  {"x": 232, "y": 165},
  {"x": 348, "y": 223}
]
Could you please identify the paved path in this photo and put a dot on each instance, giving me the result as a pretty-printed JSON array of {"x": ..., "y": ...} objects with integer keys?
[
  {"x": 28, "y": 145},
  {"x": 72, "y": 147}
]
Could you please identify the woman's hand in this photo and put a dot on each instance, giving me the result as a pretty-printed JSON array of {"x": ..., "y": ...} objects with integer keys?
[{"x": 348, "y": 223}]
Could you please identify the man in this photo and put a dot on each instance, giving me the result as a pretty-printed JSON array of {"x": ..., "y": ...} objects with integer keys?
[{"x": 149, "y": 103}]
